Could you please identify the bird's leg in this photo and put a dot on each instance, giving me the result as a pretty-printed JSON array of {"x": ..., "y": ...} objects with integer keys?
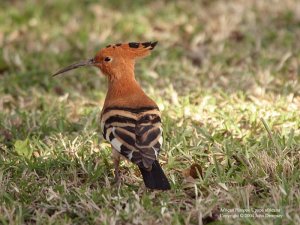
[{"x": 116, "y": 160}]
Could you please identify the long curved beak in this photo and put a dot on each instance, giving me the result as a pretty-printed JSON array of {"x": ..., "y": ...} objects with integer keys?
[{"x": 73, "y": 66}]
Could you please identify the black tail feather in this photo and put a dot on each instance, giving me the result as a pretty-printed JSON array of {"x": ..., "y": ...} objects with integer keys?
[{"x": 155, "y": 179}]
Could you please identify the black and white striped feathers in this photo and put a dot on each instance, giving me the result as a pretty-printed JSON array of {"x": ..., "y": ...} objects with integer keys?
[{"x": 136, "y": 133}]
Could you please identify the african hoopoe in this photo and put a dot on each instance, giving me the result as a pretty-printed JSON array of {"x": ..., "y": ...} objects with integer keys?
[{"x": 130, "y": 120}]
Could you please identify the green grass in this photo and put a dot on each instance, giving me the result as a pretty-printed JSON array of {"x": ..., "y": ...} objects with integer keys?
[{"x": 225, "y": 75}]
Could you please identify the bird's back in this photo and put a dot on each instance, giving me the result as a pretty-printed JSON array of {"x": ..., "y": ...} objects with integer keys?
[{"x": 136, "y": 133}]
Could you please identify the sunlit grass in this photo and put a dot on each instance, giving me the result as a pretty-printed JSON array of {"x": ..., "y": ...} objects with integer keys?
[{"x": 225, "y": 75}]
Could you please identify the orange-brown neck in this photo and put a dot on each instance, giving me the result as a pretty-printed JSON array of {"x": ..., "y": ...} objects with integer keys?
[{"x": 125, "y": 91}]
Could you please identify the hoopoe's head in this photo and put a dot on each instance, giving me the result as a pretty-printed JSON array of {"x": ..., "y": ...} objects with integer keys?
[{"x": 115, "y": 60}]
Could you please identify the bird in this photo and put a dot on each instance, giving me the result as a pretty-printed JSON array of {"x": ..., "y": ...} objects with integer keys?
[{"x": 130, "y": 120}]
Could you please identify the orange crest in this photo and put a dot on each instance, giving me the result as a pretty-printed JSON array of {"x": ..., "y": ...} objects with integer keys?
[
  {"x": 130, "y": 50},
  {"x": 118, "y": 59}
]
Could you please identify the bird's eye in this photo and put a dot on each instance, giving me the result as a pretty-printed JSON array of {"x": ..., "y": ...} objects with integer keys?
[{"x": 107, "y": 59}]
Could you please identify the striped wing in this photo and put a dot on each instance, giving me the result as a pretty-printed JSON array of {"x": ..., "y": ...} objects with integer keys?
[{"x": 135, "y": 133}]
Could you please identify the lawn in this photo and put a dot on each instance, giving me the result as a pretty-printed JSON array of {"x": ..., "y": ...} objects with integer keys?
[{"x": 225, "y": 75}]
